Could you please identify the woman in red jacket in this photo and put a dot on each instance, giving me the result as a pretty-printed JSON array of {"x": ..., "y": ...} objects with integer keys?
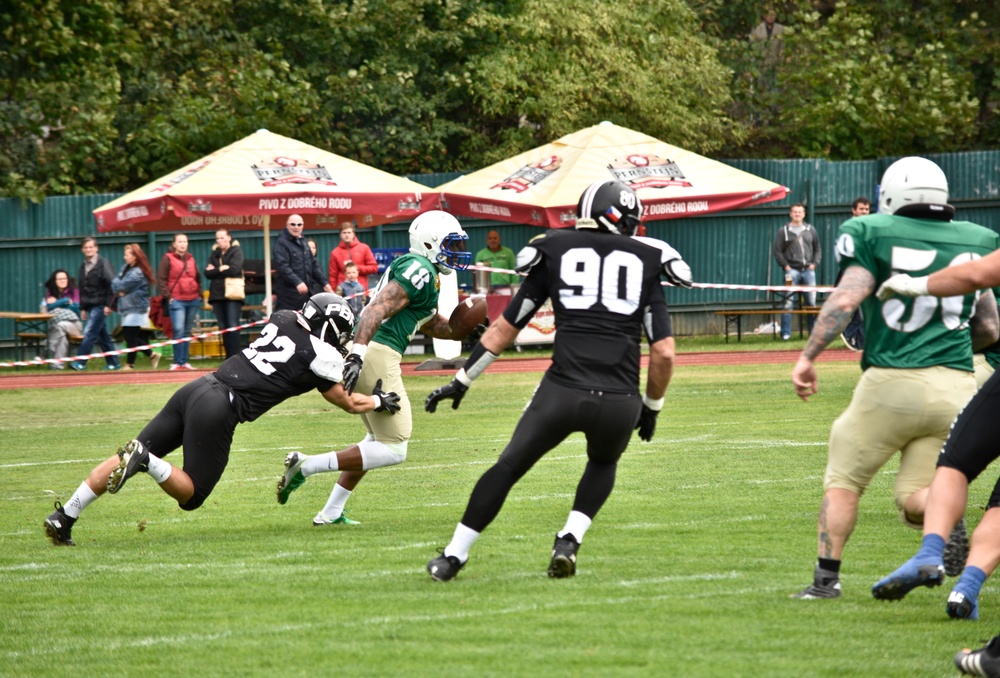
[{"x": 179, "y": 281}]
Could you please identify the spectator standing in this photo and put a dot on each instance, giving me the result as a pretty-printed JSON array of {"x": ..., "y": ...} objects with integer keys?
[
  {"x": 62, "y": 300},
  {"x": 768, "y": 35},
  {"x": 296, "y": 269},
  {"x": 95, "y": 276},
  {"x": 225, "y": 262},
  {"x": 351, "y": 290},
  {"x": 179, "y": 281},
  {"x": 917, "y": 360},
  {"x": 495, "y": 255},
  {"x": 351, "y": 249},
  {"x": 131, "y": 288},
  {"x": 295, "y": 353},
  {"x": 853, "y": 335},
  {"x": 797, "y": 251}
]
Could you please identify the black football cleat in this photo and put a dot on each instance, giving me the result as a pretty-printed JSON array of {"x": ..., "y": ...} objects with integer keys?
[
  {"x": 444, "y": 568},
  {"x": 564, "y": 557},
  {"x": 982, "y": 662},
  {"x": 58, "y": 527},
  {"x": 134, "y": 458}
]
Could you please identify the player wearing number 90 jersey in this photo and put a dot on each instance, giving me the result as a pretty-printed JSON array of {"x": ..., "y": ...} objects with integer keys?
[{"x": 605, "y": 291}]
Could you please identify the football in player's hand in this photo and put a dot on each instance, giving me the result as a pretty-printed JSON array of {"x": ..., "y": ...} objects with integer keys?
[{"x": 467, "y": 316}]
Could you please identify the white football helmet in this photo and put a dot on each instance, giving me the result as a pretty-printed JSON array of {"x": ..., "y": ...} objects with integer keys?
[
  {"x": 912, "y": 181},
  {"x": 438, "y": 236}
]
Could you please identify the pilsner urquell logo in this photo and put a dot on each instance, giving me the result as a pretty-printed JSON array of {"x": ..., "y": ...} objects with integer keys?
[
  {"x": 648, "y": 171},
  {"x": 285, "y": 170},
  {"x": 529, "y": 175}
]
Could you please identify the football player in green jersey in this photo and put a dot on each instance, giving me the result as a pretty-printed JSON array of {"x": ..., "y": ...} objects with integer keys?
[
  {"x": 403, "y": 302},
  {"x": 917, "y": 357}
]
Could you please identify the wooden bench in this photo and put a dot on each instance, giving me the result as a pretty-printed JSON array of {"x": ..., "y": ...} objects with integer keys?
[{"x": 734, "y": 317}]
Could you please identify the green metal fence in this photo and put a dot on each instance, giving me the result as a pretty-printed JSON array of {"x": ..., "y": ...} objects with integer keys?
[{"x": 732, "y": 247}]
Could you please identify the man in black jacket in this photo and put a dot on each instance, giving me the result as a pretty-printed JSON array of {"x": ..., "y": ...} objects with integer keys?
[
  {"x": 296, "y": 269},
  {"x": 95, "y": 276}
]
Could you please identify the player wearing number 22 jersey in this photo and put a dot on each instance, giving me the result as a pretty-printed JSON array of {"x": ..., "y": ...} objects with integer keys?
[
  {"x": 296, "y": 352},
  {"x": 605, "y": 291},
  {"x": 917, "y": 358}
]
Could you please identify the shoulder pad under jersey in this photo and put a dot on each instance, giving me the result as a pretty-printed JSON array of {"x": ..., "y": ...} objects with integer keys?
[{"x": 527, "y": 258}]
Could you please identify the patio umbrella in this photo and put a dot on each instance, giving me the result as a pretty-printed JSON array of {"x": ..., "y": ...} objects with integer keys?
[
  {"x": 542, "y": 186},
  {"x": 242, "y": 185}
]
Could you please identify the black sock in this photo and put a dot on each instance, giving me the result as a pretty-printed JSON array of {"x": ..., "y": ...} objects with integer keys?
[{"x": 829, "y": 565}]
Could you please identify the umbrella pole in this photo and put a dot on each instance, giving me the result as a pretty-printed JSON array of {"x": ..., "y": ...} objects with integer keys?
[{"x": 267, "y": 265}]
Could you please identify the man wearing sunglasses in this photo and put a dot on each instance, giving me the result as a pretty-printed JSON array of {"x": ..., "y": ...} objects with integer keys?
[{"x": 295, "y": 268}]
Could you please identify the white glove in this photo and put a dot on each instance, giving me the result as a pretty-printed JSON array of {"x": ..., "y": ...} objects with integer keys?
[{"x": 903, "y": 285}]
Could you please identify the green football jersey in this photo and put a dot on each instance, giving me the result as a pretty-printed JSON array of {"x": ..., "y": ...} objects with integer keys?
[
  {"x": 923, "y": 331},
  {"x": 418, "y": 277}
]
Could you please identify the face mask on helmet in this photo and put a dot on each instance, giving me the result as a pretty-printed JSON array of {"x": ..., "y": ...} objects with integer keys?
[
  {"x": 912, "y": 181},
  {"x": 330, "y": 319},
  {"x": 611, "y": 206},
  {"x": 439, "y": 237}
]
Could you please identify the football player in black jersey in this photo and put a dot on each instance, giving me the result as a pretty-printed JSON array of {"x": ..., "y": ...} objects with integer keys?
[
  {"x": 295, "y": 353},
  {"x": 605, "y": 291}
]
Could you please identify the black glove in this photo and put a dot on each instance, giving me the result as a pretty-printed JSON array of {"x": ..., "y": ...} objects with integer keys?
[
  {"x": 647, "y": 423},
  {"x": 390, "y": 400},
  {"x": 454, "y": 390},
  {"x": 477, "y": 331},
  {"x": 352, "y": 370}
]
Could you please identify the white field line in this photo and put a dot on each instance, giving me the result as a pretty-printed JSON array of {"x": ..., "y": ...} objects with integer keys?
[{"x": 190, "y": 639}]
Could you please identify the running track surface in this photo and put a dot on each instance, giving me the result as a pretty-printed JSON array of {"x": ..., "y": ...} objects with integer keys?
[{"x": 11, "y": 379}]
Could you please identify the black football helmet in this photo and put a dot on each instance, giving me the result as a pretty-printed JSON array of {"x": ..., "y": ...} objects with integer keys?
[
  {"x": 330, "y": 319},
  {"x": 612, "y": 205}
]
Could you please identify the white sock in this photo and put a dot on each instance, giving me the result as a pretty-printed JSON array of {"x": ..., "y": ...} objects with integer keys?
[
  {"x": 460, "y": 544},
  {"x": 159, "y": 469},
  {"x": 577, "y": 525},
  {"x": 81, "y": 499},
  {"x": 320, "y": 463},
  {"x": 335, "y": 504}
]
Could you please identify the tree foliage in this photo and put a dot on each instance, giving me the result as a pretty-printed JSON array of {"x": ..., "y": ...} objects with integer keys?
[
  {"x": 565, "y": 66},
  {"x": 862, "y": 79},
  {"x": 99, "y": 95}
]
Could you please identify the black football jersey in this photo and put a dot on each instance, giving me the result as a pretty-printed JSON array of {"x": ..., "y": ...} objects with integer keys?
[
  {"x": 286, "y": 360},
  {"x": 605, "y": 289}
]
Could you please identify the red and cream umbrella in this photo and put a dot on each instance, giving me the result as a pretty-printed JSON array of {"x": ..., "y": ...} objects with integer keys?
[
  {"x": 241, "y": 186},
  {"x": 542, "y": 186}
]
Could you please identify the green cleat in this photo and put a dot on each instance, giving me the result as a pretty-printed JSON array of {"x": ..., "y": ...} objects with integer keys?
[
  {"x": 320, "y": 520},
  {"x": 292, "y": 478}
]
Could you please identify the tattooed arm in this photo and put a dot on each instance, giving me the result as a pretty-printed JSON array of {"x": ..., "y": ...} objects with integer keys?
[
  {"x": 854, "y": 286},
  {"x": 985, "y": 324},
  {"x": 390, "y": 300},
  {"x": 437, "y": 327}
]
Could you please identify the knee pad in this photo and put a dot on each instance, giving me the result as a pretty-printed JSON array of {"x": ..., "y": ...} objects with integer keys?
[{"x": 376, "y": 455}]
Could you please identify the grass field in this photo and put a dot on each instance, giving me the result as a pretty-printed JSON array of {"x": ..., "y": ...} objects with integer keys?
[{"x": 686, "y": 571}]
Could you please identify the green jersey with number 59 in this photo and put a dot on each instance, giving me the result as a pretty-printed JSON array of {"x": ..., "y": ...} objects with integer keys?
[
  {"x": 923, "y": 331},
  {"x": 418, "y": 277}
]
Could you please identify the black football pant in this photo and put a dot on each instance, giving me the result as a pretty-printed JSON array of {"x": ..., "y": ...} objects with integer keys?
[
  {"x": 607, "y": 421},
  {"x": 199, "y": 417}
]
